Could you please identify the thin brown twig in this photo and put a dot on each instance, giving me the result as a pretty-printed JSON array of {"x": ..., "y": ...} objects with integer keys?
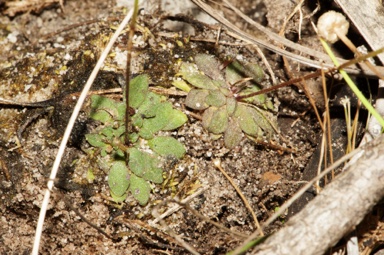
[
  {"x": 353, "y": 48},
  {"x": 302, "y": 84},
  {"x": 323, "y": 154},
  {"x": 198, "y": 39},
  {"x": 181, "y": 204},
  {"x": 313, "y": 75},
  {"x": 4, "y": 168},
  {"x": 296, "y": 9},
  {"x": 354, "y": 126},
  {"x": 324, "y": 58},
  {"x": 177, "y": 207},
  {"x": 328, "y": 126},
  {"x": 281, "y": 85},
  {"x": 217, "y": 164},
  {"x": 132, "y": 27},
  {"x": 156, "y": 214},
  {"x": 73, "y": 208},
  {"x": 266, "y": 63},
  {"x": 272, "y": 146},
  {"x": 357, "y": 152},
  {"x": 138, "y": 226},
  {"x": 50, "y": 102}
]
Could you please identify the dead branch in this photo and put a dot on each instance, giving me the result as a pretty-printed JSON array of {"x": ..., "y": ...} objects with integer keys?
[
  {"x": 336, "y": 210},
  {"x": 275, "y": 39}
]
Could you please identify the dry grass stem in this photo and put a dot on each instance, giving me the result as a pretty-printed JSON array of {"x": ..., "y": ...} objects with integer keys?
[
  {"x": 174, "y": 235},
  {"x": 327, "y": 131},
  {"x": 296, "y": 9},
  {"x": 356, "y": 154},
  {"x": 178, "y": 207},
  {"x": 71, "y": 123},
  {"x": 323, "y": 62},
  {"x": 217, "y": 164}
]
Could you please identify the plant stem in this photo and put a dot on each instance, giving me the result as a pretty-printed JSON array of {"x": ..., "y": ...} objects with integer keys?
[
  {"x": 353, "y": 86},
  {"x": 132, "y": 27}
]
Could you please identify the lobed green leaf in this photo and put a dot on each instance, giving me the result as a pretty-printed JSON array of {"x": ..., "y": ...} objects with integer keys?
[
  {"x": 147, "y": 109},
  {"x": 167, "y": 146},
  {"x": 138, "y": 90},
  {"x": 137, "y": 120},
  {"x": 196, "y": 99},
  {"x": 118, "y": 199},
  {"x": 96, "y": 140},
  {"x": 155, "y": 175},
  {"x": 207, "y": 116},
  {"x": 175, "y": 120},
  {"x": 118, "y": 178},
  {"x": 106, "y": 110},
  {"x": 181, "y": 84},
  {"x": 237, "y": 71},
  {"x": 209, "y": 65},
  {"x": 145, "y": 165},
  {"x": 140, "y": 189},
  {"x": 231, "y": 105},
  {"x": 216, "y": 119},
  {"x": 233, "y": 134},
  {"x": 259, "y": 99},
  {"x": 191, "y": 74},
  {"x": 216, "y": 98},
  {"x": 264, "y": 120},
  {"x": 162, "y": 113},
  {"x": 246, "y": 121},
  {"x": 108, "y": 132},
  {"x": 233, "y": 72},
  {"x": 254, "y": 71}
]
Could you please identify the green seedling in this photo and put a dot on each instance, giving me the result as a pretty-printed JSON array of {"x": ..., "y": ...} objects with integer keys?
[
  {"x": 152, "y": 114},
  {"x": 215, "y": 91}
]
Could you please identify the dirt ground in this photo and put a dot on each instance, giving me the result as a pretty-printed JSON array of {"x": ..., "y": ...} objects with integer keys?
[{"x": 47, "y": 53}]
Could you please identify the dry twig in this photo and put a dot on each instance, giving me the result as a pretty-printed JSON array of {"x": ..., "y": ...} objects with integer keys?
[{"x": 323, "y": 59}]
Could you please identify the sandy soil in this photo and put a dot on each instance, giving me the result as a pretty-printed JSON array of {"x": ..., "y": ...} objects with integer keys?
[{"x": 47, "y": 54}]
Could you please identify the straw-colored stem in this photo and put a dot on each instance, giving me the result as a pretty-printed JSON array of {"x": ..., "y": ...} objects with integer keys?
[{"x": 353, "y": 86}]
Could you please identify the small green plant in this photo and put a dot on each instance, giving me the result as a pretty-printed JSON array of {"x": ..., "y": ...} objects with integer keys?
[
  {"x": 152, "y": 114},
  {"x": 215, "y": 92}
]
